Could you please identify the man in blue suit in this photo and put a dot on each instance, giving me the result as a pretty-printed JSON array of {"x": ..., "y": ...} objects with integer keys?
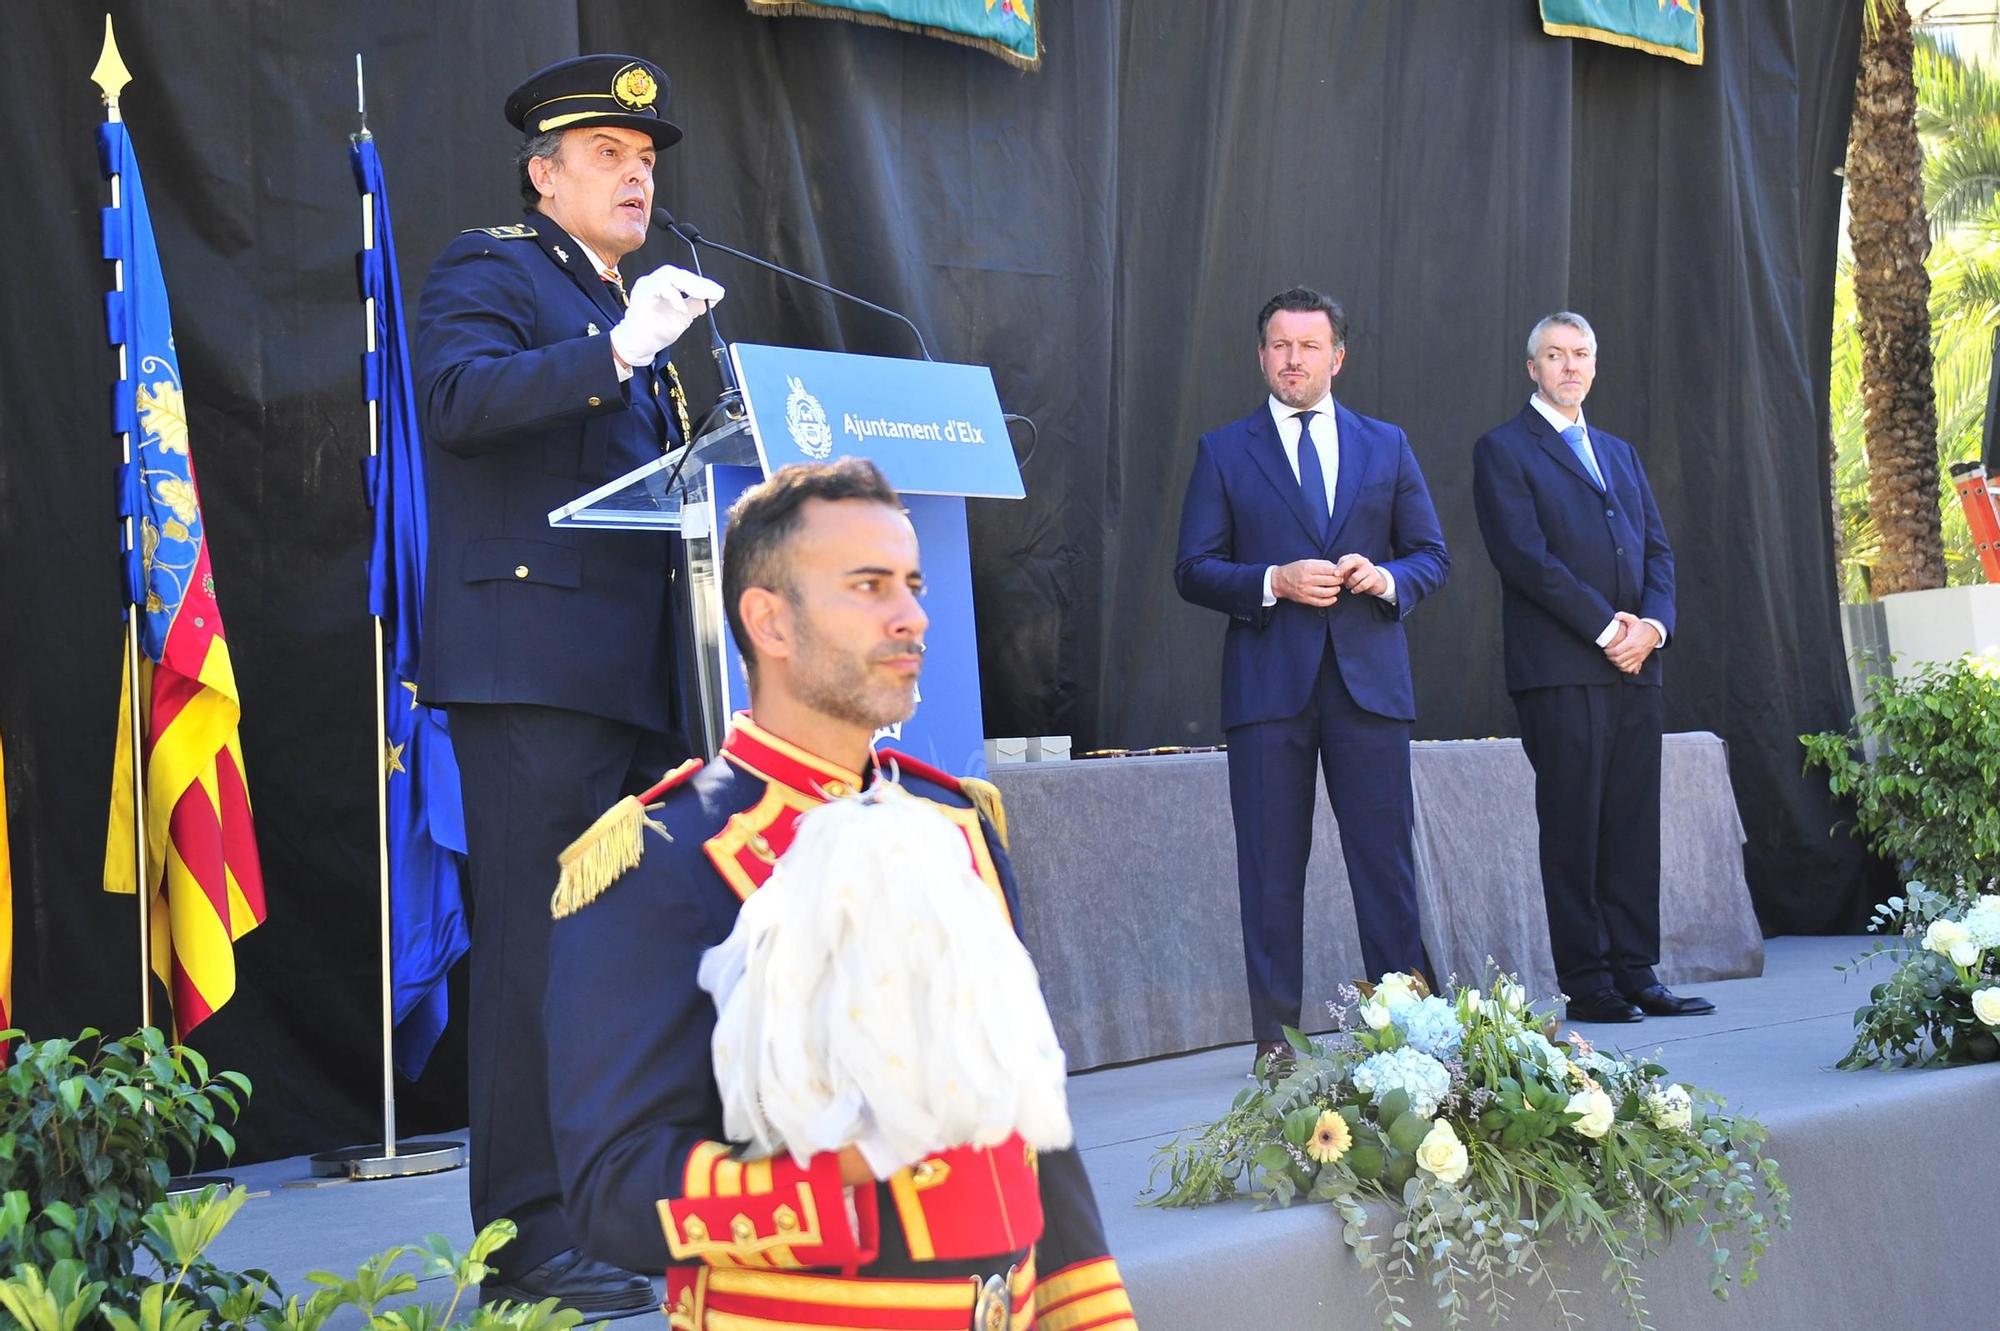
[
  {"x": 551, "y": 650},
  {"x": 1309, "y": 525},
  {"x": 1587, "y": 603}
]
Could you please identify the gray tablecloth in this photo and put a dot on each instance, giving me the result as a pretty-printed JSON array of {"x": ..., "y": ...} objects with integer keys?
[{"x": 1128, "y": 885}]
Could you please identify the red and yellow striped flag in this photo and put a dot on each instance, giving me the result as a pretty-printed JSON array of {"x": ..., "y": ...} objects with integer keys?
[{"x": 201, "y": 852}]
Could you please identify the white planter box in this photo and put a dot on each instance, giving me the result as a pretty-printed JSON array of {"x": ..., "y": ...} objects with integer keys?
[{"x": 1942, "y": 624}]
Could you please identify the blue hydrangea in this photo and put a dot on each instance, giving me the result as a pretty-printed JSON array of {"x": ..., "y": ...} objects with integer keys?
[
  {"x": 1409, "y": 1070},
  {"x": 1430, "y": 1024}
]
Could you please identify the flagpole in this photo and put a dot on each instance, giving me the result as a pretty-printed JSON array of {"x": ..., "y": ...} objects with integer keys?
[
  {"x": 424, "y": 1157},
  {"x": 111, "y": 76},
  {"x": 381, "y": 694}
]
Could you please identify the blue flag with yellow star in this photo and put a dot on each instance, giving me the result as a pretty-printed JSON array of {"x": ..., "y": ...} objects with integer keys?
[{"x": 427, "y": 930}]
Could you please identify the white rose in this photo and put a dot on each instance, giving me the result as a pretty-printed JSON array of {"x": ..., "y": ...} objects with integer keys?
[
  {"x": 1375, "y": 1014},
  {"x": 1944, "y": 935},
  {"x": 1965, "y": 952},
  {"x": 1986, "y": 1005},
  {"x": 1594, "y": 1109},
  {"x": 1672, "y": 1108},
  {"x": 1395, "y": 989},
  {"x": 1441, "y": 1154}
]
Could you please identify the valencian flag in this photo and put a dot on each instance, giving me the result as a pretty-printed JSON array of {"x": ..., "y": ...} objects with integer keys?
[
  {"x": 201, "y": 852},
  {"x": 1671, "y": 28},
  {"x": 426, "y": 818},
  {"x": 1010, "y": 29}
]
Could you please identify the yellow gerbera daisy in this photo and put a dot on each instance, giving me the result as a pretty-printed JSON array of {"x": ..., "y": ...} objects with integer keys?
[{"x": 1330, "y": 1138}]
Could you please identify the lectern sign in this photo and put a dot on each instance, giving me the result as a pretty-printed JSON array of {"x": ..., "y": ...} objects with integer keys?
[{"x": 933, "y": 427}]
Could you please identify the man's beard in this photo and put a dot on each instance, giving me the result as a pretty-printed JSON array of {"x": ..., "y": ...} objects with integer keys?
[{"x": 845, "y": 688}]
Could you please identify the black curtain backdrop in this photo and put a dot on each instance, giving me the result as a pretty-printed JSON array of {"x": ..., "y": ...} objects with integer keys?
[{"x": 1100, "y": 233}]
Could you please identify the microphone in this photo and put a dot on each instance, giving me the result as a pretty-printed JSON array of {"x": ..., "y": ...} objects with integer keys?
[
  {"x": 731, "y": 396},
  {"x": 688, "y": 232}
]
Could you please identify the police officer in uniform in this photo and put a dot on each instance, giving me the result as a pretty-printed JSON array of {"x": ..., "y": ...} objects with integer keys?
[
  {"x": 552, "y": 651},
  {"x": 821, "y": 584}
]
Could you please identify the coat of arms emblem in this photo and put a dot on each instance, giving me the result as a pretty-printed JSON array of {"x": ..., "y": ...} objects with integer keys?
[{"x": 806, "y": 419}]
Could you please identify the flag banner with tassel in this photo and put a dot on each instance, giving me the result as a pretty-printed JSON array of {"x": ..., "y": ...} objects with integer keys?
[
  {"x": 426, "y": 820},
  {"x": 6, "y": 915},
  {"x": 1010, "y": 29},
  {"x": 1672, "y": 28},
  {"x": 205, "y": 878}
]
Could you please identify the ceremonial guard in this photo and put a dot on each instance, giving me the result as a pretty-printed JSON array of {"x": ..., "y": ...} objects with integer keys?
[
  {"x": 821, "y": 584},
  {"x": 551, "y": 650}
]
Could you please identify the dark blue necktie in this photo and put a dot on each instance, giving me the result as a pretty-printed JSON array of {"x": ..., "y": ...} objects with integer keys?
[{"x": 1311, "y": 479}]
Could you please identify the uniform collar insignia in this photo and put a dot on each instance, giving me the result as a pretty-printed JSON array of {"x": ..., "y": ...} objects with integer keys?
[
  {"x": 763, "y": 754},
  {"x": 561, "y": 253}
]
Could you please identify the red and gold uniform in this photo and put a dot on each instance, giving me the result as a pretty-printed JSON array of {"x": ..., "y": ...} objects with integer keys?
[{"x": 994, "y": 1238}]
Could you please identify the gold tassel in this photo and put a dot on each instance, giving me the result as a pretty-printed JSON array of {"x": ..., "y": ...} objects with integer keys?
[
  {"x": 598, "y": 858},
  {"x": 985, "y": 797}
]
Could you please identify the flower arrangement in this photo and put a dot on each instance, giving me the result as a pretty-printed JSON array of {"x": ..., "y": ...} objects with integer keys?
[
  {"x": 1943, "y": 1003},
  {"x": 1484, "y": 1135}
]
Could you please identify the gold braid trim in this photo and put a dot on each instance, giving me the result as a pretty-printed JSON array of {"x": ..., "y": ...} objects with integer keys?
[
  {"x": 596, "y": 860},
  {"x": 1631, "y": 43},
  {"x": 985, "y": 797},
  {"x": 679, "y": 397}
]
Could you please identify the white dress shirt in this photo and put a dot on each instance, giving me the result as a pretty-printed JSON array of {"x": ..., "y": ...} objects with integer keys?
[
  {"x": 1326, "y": 443},
  {"x": 601, "y": 267},
  {"x": 1559, "y": 422}
]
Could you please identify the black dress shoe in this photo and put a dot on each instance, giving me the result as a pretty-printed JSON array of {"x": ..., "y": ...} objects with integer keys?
[
  {"x": 1272, "y": 1057},
  {"x": 1604, "y": 1005},
  {"x": 595, "y": 1289},
  {"x": 1656, "y": 1000}
]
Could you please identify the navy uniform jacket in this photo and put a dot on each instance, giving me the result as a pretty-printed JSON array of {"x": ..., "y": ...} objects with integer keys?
[
  {"x": 522, "y": 412},
  {"x": 648, "y": 1180},
  {"x": 1245, "y": 512},
  {"x": 1569, "y": 554}
]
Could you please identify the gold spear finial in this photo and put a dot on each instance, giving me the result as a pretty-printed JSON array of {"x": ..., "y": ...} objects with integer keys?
[{"x": 110, "y": 76}]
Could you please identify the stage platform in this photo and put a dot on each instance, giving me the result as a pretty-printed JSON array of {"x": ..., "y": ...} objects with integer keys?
[
  {"x": 1891, "y": 1173},
  {"x": 1129, "y": 901}
]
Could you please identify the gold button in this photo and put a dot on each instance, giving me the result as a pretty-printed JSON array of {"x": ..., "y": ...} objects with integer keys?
[
  {"x": 696, "y": 1231},
  {"x": 785, "y": 1218},
  {"x": 596, "y": 401},
  {"x": 742, "y": 1230},
  {"x": 520, "y": 570},
  {"x": 836, "y": 789}
]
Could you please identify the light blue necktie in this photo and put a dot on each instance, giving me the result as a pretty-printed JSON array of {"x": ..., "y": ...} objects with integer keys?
[
  {"x": 1573, "y": 436},
  {"x": 1312, "y": 480}
]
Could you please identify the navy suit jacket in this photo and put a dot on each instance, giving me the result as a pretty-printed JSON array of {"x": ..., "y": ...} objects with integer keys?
[
  {"x": 522, "y": 412},
  {"x": 1569, "y": 554},
  {"x": 1244, "y": 513}
]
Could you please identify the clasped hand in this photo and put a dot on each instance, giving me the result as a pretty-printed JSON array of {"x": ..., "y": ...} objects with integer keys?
[
  {"x": 1319, "y": 582},
  {"x": 1635, "y": 642},
  {"x": 663, "y": 304}
]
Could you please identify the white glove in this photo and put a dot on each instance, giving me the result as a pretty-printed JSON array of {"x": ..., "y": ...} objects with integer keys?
[{"x": 662, "y": 305}]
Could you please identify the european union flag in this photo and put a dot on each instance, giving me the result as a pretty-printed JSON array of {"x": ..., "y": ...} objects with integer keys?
[{"x": 426, "y": 815}]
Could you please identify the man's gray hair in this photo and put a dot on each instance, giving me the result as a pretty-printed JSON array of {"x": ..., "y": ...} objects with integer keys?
[
  {"x": 541, "y": 145},
  {"x": 1568, "y": 320}
]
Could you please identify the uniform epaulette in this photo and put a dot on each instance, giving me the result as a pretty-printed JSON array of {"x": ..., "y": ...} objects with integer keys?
[
  {"x": 515, "y": 231},
  {"x": 615, "y": 842},
  {"x": 985, "y": 796}
]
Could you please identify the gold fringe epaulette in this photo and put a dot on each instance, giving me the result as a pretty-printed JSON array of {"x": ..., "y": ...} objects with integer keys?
[
  {"x": 985, "y": 797},
  {"x": 614, "y": 843}
]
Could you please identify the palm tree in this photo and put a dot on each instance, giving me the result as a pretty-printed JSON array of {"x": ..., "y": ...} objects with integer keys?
[
  {"x": 1958, "y": 124},
  {"x": 1889, "y": 239}
]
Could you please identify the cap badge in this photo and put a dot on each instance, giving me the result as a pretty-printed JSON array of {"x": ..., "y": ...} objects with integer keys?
[{"x": 634, "y": 88}]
